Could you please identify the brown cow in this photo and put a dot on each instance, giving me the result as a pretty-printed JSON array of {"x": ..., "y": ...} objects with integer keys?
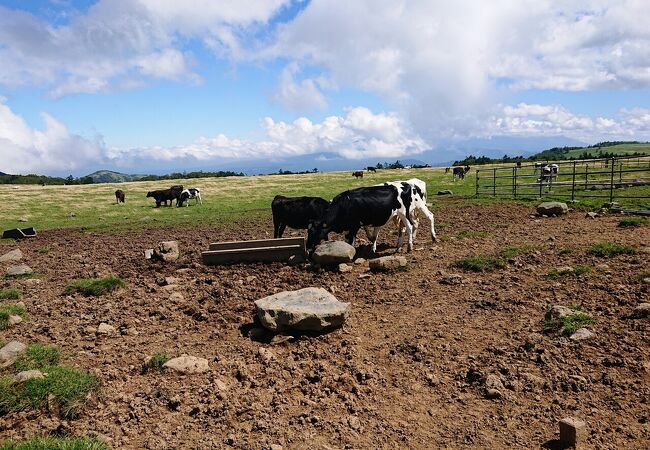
[
  {"x": 358, "y": 174},
  {"x": 119, "y": 196}
]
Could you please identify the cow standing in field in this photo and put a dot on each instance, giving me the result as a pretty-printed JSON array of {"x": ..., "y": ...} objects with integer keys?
[
  {"x": 418, "y": 203},
  {"x": 371, "y": 169},
  {"x": 165, "y": 195},
  {"x": 187, "y": 195},
  {"x": 295, "y": 212},
  {"x": 460, "y": 172},
  {"x": 365, "y": 206},
  {"x": 358, "y": 174},
  {"x": 119, "y": 196},
  {"x": 547, "y": 173}
]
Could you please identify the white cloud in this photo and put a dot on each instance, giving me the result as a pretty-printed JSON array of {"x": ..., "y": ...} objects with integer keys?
[
  {"x": 299, "y": 95},
  {"x": 54, "y": 148}
]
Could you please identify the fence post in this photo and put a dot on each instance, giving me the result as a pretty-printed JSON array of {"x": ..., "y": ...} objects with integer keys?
[
  {"x": 494, "y": 182},
  {"x": 477, "y": 171},
  {"x": 514, "y": 182},
  {"x": 611, "y": 183},
  {"x": 573, "y": 183},
  {"x": 586, "y": 176},
  {"x": 620, "y": 171}
]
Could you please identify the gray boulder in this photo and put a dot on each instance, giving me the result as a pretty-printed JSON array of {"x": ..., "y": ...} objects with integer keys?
[
  {"x": 552, "y": 209},
  {"x": 21, "y": 269},
  {"x": 14, "y": 255},
  {"x": 166, "y": 251},
  {"x": 10, "y": 352},
  {"x": 387, "y": 263},
  {"x": 581, "y": 334},
  {"x": 333, "y": 252},
  {"x": 308, "y": 309},
  {"x": 558, "y": 312}
]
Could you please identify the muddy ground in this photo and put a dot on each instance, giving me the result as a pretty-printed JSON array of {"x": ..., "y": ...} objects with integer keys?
[{"x": 406, "y": 370}]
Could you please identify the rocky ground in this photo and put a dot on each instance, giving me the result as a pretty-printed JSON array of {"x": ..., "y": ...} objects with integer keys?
[{"x": 410, "y": 368}]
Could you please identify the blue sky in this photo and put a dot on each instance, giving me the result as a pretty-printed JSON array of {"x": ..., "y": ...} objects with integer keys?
[{"x": 156, "y": 85}]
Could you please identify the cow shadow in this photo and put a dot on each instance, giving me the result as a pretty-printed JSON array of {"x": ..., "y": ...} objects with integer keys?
[{"x": 256, "y": 332}]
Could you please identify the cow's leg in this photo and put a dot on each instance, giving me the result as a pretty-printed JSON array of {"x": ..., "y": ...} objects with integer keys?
[
  {"x": 281, "y": 229},
  {"x": 409, "y": 230},
  {"x": 352, "y": 235},
  {"x": 429, "y": 215}
]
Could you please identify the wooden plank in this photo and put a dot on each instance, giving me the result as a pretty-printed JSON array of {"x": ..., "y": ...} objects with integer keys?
[{"x": 259, "y": 243}]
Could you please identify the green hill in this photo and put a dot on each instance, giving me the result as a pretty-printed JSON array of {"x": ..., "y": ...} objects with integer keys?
[
  {"x": 600, "y": 150},
  {"x": 108, "y": 176}
]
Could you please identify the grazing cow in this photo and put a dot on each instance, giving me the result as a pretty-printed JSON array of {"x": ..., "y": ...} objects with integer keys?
[
  {"x": 460, "y": 172},
  {"x": 371, "y": 169},
  {"x": 295, "y": 212},
  {"x": 119, "y": 196},
  {"x": 418, "y": 203},
  {"x": 447, "y": 169},
  {"x": 165, "y": 195},
  {"x": 365, "y": 206},
  {"x": 358, "y": 174},
  {"x": 187, "y": 194},
  {"x": 539, "y": 167}
]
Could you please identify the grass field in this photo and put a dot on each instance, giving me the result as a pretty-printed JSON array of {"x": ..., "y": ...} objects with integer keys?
[
  {"x": 621, "y": 149},
  {"x": 224, "y": 199}
]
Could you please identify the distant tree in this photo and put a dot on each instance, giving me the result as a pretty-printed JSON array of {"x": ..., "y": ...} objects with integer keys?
[{"x": 69, "y": 179}]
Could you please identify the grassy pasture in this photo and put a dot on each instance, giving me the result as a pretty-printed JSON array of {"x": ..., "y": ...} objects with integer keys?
[{"x": 224, "y": 199}]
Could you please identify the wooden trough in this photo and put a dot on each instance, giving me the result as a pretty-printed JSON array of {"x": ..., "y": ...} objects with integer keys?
[
  {"x": 263, "y": 250},
  {"x": 19, "y": 233}
]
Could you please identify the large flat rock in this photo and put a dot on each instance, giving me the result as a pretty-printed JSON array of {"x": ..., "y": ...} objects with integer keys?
[
  {"x": 14, "y": 255},
  {"x": 187, "y": 364},
  {"x": 21, "y": 269},
  {"x": 308, "y": 309},
  {"x": 552, "y": 209},
  {"x": 10, "y": 352}
]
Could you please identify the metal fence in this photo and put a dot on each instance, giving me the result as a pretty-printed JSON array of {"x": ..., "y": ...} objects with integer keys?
[{"x": 611, "y": 179}]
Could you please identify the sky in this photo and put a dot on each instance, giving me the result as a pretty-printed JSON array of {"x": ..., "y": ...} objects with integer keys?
[{"x": 146, "y": 86}]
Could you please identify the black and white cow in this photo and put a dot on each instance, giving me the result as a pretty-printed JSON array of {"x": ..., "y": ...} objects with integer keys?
[
  {"x": 187, "y": 194},
  {"x": 295, "y": 212},
  {"x": 370, "y": 206},
  {"x": 418, "y": 203},
  {"x": 547, "y": 173}
]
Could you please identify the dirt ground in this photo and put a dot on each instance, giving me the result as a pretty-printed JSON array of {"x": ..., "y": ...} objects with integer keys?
[{"x": 405, "y": 371}]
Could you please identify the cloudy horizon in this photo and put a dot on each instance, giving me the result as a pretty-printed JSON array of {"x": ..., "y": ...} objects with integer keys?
[{"x": 87, "y": 85}]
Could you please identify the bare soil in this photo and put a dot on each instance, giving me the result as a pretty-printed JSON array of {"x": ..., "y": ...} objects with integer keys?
[{"x": 406, "y": 371}]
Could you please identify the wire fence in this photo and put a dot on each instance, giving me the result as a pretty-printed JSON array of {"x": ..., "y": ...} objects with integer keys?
[{"x": 612, "y": 179}]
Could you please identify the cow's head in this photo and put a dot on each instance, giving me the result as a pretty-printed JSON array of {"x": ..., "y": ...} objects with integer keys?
[
  {"x": 317, "y": 231},
  {"x": 149, "y": 194}
]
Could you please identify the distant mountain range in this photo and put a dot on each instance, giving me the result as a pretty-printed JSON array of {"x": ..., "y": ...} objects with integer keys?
[
  {"x": 109, "y": 176},
  {"x": 2, "y": 173}
]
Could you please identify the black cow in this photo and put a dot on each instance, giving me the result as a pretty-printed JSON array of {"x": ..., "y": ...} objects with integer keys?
[
  {"x": 358, "y": 174},
  {"x": 371, "y": 169},
  {"x": 165, "y": 195},
  {"x": 366, "y": 206},
  {"x": 119, "y": 196},
  {"x": 295, "y": 212},
  {"x": 460, "y": 172}
]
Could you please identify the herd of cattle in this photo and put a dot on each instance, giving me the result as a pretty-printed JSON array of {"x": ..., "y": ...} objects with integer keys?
[
  {"x": 365, "y": 207},
  {"x": 175, "y": 193}
]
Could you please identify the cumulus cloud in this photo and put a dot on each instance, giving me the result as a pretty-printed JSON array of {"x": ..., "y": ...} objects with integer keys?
[
  {"x": 299, "y": 95},
  {"x": 27, "y": 150}
]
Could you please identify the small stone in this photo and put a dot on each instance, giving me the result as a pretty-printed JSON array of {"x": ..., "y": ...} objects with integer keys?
[
  {"x": 105, "y": 329},
  {"x": 387, "y": 263},
  {"x": 493, "y": 394},
  {"x": 558, "y": 312},
  {"x": 176, "y": 297},
  {"x": 451, "y": 279},
  {"x": 187, "y": 364},
  {"x": 21, "y": 377},
  {"x": 360, "y": 261},
  {"x": 166, "y": 251},
  {"x": 591, "y": 215},
  {"x": 445, "y": 192},
  {"x": 223, "y": 387},
  {"x": 641, "y": 311},
  {"x": 276, "y": 447},
  {"x": 365, "y": 275},
  {"x": 21, "y": 269},
  {"x": 573, "y": 433},
  {"x": 344, "y": 268},
  {"x": 581, "y": 334},
  {"x": 14, "y": 255},
  {"x": 10, "y": 352},
  {"x": 354, "y": 422},
  {"x": 563, "y": 270},
  {"x": 266, "y": 355},
  {"x": 71, "y": 215},
  {"x": 23, "y": 219},
  {"x": 603, "y": 267},
  {"x": 148, "y": 253},
  {"x": 250, "y": 278},
  {"x": 14, "y": 320}
]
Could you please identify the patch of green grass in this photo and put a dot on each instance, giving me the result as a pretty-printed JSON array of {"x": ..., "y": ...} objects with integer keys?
[
  {"x": 94, "y": 286},
  {"x": 568, "y": 324},
  {"x": 405, "y": 268},
  {"x": 37, "y": 356},
  {"x": 633, "y": 222},
  {"x": 156, "y": 362},
  {"x": 610, "y": 249},
  {"x": 10, "y": 294},
  {"x": 472, "y": 234},
  {"x": 479, "y": 263},
  {"x": 565, "y": 251},
  {"x": 576, "y": 271},
  {"x": 55, "y": 443},
  {"x": 513, "y": 252},
  {"x": 24, "y": 276},
  {"x": 65, "y": 386},
  {"x": 10, "y": 310}
]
